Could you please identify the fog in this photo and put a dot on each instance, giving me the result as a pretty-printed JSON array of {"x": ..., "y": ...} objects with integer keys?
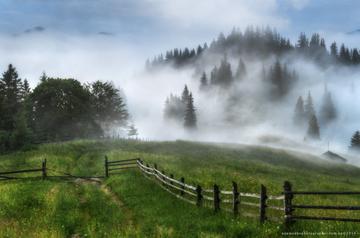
[{"x": 254, "y": 120}]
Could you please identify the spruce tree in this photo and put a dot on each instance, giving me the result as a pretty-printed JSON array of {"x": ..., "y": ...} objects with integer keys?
[
  {"x": 313, "y": 131},
  {"x": 309, "y": 107},
  {"x": 132, "y": 132},
  {"x": 334, "y": 50},
  {"x": 185, "y": 94},
  {"x": 203, "y": 81},
  {"x": 327, "y": 111},
  {"x": 190, "y": 114},
  {"x": 241, "y": 70},
  {"x": 355, "y": 142},
  {"x": 299, "y": 115}
]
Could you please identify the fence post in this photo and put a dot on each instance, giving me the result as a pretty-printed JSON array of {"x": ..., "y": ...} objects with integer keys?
[
  {"x": 43, "y": 169},
  {"x": 106, "y": 167},
  {"x": 288, "y": 196},
  {"x": 216, "y": 198},
  {"x": 263, "y": 198},
  {"x": 182, "y": 180},
  {"x": 199, "y": 196},
  {"x": 236, "y": 198},
  {"x": 171, "y": 176},
  {"x": 155, "y": 167}
]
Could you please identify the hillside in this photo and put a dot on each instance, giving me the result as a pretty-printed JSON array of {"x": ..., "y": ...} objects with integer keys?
[{"x": 131, "y": 205}]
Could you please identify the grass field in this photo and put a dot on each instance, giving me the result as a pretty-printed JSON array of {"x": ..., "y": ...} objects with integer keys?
[{"x": 130, "y": 205}]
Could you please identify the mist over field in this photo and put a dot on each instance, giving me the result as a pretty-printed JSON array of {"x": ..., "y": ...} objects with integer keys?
[{"x": 111, "y": 52}]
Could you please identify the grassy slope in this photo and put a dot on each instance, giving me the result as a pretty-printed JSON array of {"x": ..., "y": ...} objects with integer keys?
[{"x": 68, "y": 208}]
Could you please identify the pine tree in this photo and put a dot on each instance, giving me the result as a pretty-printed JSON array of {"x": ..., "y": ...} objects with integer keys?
[
  {"x": 185, "y": 94},
  {"x": 224, "y": 75},
  {"x": 313, "y": 131},
  {"x": 355, "y": 142},
  {"x": 190, "y": 114},
  {"x": 303, "y": 41},
  {"x": 241, "y": 70},
  {"x": 203, "y": 81},
  {"x": 12, "y": 97},
  {"x": 132, "y": 132},
  {"x": 299, "y": 115},
  {"x": 309, "y": 107},
  {"x": 327, "y": 111},
  {"x": 334, "y": 50}
]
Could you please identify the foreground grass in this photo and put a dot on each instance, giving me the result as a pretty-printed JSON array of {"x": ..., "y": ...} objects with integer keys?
[{"x": 57, "y": 209}]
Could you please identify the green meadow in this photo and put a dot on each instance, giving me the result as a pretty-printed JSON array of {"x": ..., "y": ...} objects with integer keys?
[{"x": 129, "y": 204}]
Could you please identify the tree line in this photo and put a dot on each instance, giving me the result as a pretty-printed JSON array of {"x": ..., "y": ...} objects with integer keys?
[
  {"x": 262, "y": 42},
  {"x": 181, "y": 109},
  {"x": 57, "y": 109}
]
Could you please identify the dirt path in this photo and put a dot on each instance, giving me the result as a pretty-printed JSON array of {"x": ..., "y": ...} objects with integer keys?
[{"x": 128, "y": 216}]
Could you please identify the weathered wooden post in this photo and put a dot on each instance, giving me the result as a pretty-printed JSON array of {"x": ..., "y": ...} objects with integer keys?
[
  {"x": 172, "y": 177},
  {"x": 263, "y": 198},
  {"x": 43, "y": 169},
  {"x": 216, "y": 198},
  {"x": 288, "y": 196},
  {"x": 199, "y": 196},
  {"x": 155, "y": 167},
  {"x": 106, "y": 167},
  {"x": 236, "y": 198},
  {"x": 182, "y": 180}
]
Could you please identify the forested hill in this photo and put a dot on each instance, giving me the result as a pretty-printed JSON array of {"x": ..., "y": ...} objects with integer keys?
[{"x": 262, "y": 42}]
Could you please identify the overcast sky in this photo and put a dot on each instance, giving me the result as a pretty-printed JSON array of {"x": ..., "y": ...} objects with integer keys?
[{"x": 33, "y": 31}]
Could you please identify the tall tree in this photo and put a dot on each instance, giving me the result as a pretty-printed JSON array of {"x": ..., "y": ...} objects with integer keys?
[
  {"x": 12, "y": 96},
  {"x": 203, "y": 81},
  {"x": 313, "y": 131},
  {"x": 299, "y": 114},
  {"x": 133, "y": 132},
  {"x": 303, "y": 41},
  {"x": 241, "y": 70},
  {"x": 355, "y": 142},
  {"x": 185, "y": 94},
  {"x": 309, "y": 107},
  {"x": 224, "y": 74},
  {"x": 108, "y": 106},
  {"x": 334, "y": 50},
  {"x": 327, "y": 110},
  {"x": 62, "y": 110},
  {"x": 190, "y": 114}
]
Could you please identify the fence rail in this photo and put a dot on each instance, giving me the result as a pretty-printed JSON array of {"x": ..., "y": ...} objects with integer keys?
[
  {"x": 290, "y": 208},
  {"x": 43, "y": 171},
  {"x": 215, "y": 198}
]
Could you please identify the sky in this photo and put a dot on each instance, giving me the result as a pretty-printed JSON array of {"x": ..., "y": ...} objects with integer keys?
[
  {"x": 110, "y": 40},
  {"x": 156, "y": 23}
]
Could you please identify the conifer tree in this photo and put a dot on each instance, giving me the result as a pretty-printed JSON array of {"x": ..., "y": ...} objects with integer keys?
[
  {"x": 327, "y": 111},
  {"x": 309, "y": 107},
  {"x": 190, "y": 114},
  {"x": 299, "y": 115},
  {"x": 203, "y": 81},
  {"x": 334, "y": 50},
  {"x": 132, "y": 132},
  {"x": 355, "y": 142},
  {"x": 313, "y": 131},
  {"x": 185, "y": 94},
  {"x": 241, "y": 70}
]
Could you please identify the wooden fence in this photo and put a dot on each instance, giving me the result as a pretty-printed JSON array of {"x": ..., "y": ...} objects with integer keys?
[
  {"x": 291, "y": 208},
  {"x": 117, "y": 165},
  {"x": 230, "y": 201},
  {"x": 9, "y": 174},
  {"x": 259, "y": 205}
]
